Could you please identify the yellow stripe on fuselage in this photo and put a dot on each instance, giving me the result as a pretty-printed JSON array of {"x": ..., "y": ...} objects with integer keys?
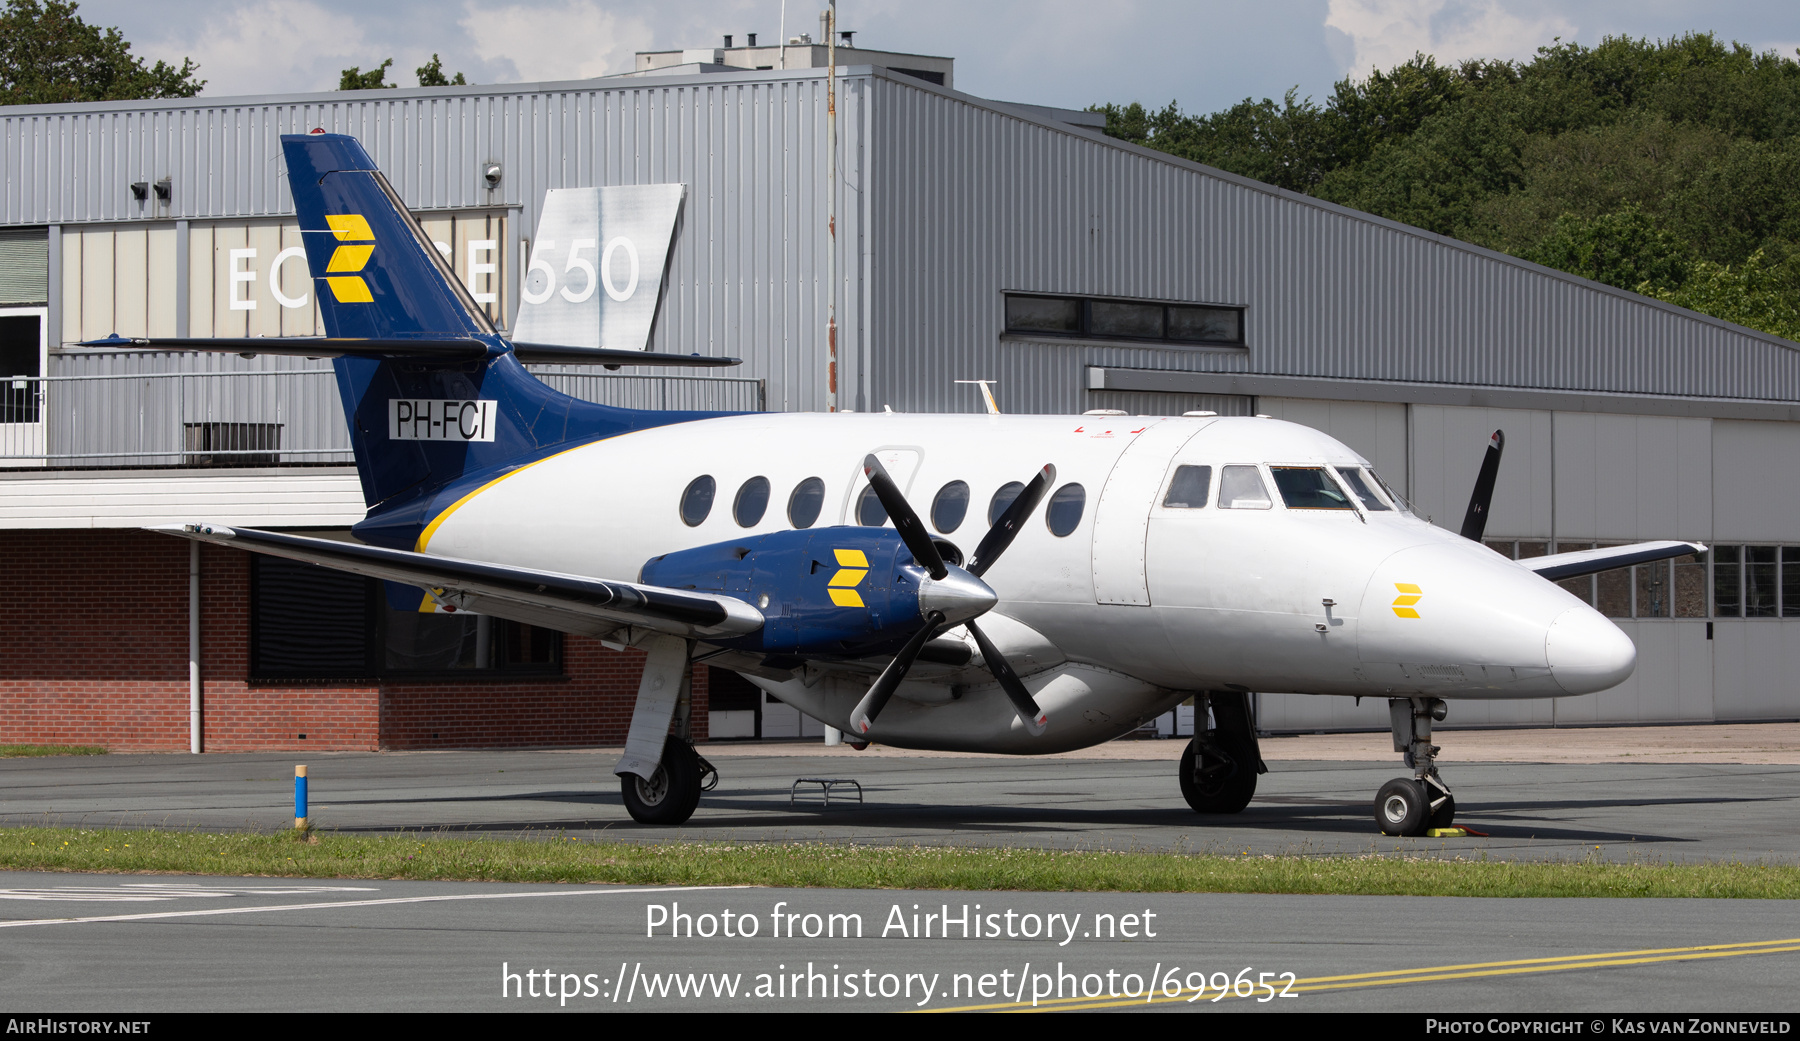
[{"x": 431, "y": 529}]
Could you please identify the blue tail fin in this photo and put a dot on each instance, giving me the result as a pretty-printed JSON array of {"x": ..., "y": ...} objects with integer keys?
[{"x": 431, "y": 425}]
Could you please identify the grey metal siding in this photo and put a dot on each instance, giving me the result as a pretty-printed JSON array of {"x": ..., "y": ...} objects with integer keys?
[{"x": 974, "y": 202}]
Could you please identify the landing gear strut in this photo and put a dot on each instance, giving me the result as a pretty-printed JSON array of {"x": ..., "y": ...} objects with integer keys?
[
  {"x": 1411, "y": 805},
  {"x": 1219, "y": 768}
]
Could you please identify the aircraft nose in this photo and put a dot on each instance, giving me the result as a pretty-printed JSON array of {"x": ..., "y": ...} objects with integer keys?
[{"x": 1588, "y": 653}]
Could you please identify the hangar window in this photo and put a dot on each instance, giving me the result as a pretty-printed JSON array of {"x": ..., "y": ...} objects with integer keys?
[
  {"x": 312, "y": 623},
  {"x": 1309, "y": 488},
  {"x": 1147, "y": 321},
  {"x": 1188, "y": 490},
  {"x": 950, "y": 506},
  {"x": 1242, "y": 488},
  {"x": 805, "y": 503},
  {"x": 697, "y": 500},
  {"x": 1002, "y": 499},
  {"x": 1063, "y": 515},
  {"x": 751, "y": 503}
]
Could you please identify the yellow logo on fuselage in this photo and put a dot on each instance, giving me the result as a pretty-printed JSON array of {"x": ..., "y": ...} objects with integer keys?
[
  {"x": 349, "y": 228},
  {"x": 853, "y": 566},
  {"x": 1410, "y": 595}
]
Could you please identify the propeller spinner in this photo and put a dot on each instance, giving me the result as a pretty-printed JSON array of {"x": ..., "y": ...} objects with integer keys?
[{"x": 951, "y": 595}]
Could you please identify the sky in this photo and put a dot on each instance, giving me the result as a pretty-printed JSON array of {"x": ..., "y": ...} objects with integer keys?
[{"x": 1072, "y": 53}]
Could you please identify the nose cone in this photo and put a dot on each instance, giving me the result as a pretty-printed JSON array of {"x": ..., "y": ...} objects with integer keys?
[{"x": 1588, "y": 653}]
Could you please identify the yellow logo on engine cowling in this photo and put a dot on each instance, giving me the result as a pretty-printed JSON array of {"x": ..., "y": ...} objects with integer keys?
[
  {"x": 852, "y": 567},
  {"x": 1410, "y": 595},
  {"x": 349, "y": 228}
]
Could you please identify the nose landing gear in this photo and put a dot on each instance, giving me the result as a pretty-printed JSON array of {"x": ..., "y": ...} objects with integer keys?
[{"x": 1411, "y": 805}]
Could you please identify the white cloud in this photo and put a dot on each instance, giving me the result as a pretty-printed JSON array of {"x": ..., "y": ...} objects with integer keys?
[
  {"x": 1385, "y": 33},
  {"x": 270, "y": 47},
  {"x": 575, "y": 40}
]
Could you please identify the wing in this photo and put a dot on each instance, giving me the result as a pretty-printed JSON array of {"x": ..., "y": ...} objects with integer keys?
[
  {"x": 1589, "y": 561},
  {"x": 569, "y": 603}
]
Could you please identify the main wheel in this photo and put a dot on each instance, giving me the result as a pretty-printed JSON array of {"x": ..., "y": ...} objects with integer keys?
[
  {"x": 1401, "y": 808},
  {"x": 1220, "y": 778},
  {"x": 671, "y": 793}
]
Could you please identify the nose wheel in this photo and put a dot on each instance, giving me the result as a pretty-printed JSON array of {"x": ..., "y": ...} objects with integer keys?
[{"x": 1416, "y": 804}]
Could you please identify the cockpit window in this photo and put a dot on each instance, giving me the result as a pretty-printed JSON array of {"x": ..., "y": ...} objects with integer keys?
[
  {"x": 1360, "y": 486},
  {"x": 1188, "y": 489},
  {"x": 1309, "y": 488},
  {"x": 1394, "y": 497},
  {"x": 1242, "y": 488}
]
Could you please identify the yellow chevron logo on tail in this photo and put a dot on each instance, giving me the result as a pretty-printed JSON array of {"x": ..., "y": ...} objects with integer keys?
[{"x": 350, "y": 229}]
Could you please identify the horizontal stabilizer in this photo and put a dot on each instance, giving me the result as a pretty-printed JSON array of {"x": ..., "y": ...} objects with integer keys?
[
  {"x": 558, "y": 354},
  {"x": 1592, "y": 561},
  {"x": 570, "y": 603}
]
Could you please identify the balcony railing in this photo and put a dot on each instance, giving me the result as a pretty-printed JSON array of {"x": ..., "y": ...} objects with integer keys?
[{"x": 284, "y": 418}]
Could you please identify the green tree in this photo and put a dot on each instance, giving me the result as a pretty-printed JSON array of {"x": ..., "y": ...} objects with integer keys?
[
  {"x": 1624, "y": 249},
  {"x": 356, "y": 79},
  {"x": 49, "y": 55},
  {"x": 1755, "y": 293},
  {"x": 431, "y": 74}
]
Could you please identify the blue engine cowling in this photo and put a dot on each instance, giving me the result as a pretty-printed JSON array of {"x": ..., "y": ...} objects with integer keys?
[{"x": 825, "y": 592}]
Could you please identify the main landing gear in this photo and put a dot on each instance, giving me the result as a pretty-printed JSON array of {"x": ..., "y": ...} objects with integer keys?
[
  {"x": 1411, "y": 805},
  {"x": 1219, "y": 768}
]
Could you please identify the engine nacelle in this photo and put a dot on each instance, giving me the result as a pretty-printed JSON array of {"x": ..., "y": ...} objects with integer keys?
[{"x": 825, "y": 592}]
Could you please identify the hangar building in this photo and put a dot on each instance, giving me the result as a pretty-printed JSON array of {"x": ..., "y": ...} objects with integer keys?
[{"x": 977, "y": 240}]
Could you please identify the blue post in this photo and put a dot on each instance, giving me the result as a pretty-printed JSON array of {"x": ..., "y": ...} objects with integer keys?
[{"x": 300, "y": 796}]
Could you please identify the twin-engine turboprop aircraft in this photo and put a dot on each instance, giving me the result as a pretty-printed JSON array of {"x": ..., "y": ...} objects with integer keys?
[{"x": 1048, "y": 582}]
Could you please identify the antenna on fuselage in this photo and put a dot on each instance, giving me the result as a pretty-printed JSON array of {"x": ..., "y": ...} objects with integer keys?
[{"x": 987, "y": 395}]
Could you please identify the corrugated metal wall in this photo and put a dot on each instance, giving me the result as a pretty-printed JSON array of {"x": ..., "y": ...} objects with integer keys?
[
  {"x": 748, "y": 264},
  {"x": 971, "y": 202}
]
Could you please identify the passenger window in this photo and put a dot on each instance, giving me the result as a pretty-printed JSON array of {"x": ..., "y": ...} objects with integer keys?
[
  {"x": 869, "y": 511},
  {"x": 751, "y": 503},
  {"x": 1309, "y": 488},
  {"x": 1242, "y": 488},
  {"x": 1063, "y": 515},
  {"x": 1360, "y": 486},
  {"x": 697, "y": 501},
  {"x": 1003, "y": 499},
  {"x": 1188, "y": 490},
  {"x": 950, "y": 507},
  {"x": 805, "y": 503}
]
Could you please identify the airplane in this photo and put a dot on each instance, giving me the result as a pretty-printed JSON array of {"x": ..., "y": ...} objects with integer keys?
[{"x": 1197, "y": 556}]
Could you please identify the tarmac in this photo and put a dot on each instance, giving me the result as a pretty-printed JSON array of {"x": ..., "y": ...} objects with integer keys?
[{"x": 1677, "y": 794}]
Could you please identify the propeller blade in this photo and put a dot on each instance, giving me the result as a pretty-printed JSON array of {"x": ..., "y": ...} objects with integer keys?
[
  {"x": 1475, "y": 521},
  {"x": 1033, "y": 717},
  {"x": 906, "y": 522},
  {"x": 863, "y": 716},
  {"x": 1007, "y": 527}
]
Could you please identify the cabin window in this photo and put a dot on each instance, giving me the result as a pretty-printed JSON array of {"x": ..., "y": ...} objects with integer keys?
[
  {"x": 1063, "y": 515},
  {"x": 1242, "y": 488},
  {"x": 1309, "y": 488},
  {"x": 869, "y": 511},
  {"x": 1359, "y": 486},
  {"x": 1004, "y": 498},
  {"x": 697, "y": 500},
  {"x": 751, "y": 503},
  {"x": 806, "y": 502},
  {"x": 1188, "y": 490},
  {"x": 950, "y": 506}
]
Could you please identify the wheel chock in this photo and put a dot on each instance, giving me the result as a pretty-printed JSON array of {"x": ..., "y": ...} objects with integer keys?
[{"x": 1446, "y": 833}]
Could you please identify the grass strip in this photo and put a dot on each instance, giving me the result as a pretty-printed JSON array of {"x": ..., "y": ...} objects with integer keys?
[
  {"x": 16, "y": 751},
  {"x": 850, "y": 866}
]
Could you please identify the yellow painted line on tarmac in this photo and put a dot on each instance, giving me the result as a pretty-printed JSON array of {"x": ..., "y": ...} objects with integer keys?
[{"x": 1471, "y": 970}]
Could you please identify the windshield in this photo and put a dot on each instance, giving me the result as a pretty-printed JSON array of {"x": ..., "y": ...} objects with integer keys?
[
  {"x": 1360, "y": 486},
  {"x": 1309, "y": 488}
]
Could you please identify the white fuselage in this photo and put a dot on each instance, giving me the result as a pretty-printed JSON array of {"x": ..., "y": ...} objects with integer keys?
[{"x": 1139, "y": 606}]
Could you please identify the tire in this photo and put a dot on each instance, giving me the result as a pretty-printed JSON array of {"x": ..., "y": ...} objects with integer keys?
[
  {"x": 1400, "y": 807},
  {"x": 1220, "y": 790},
  {"x": 1445, "y": 814},
  {"x": 672, "y": 792}
]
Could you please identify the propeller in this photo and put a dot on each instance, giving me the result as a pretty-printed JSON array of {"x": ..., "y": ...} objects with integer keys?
[
  {"x": 1475, "y": 521},
  {"x": 952, "y": 594}
]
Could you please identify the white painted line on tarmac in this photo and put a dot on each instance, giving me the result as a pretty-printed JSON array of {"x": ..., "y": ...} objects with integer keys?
[{"x": 331, "y": 904}]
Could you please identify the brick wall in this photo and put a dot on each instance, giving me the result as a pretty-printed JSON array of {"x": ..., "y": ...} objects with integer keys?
[{"x": 95, "y": 652}]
